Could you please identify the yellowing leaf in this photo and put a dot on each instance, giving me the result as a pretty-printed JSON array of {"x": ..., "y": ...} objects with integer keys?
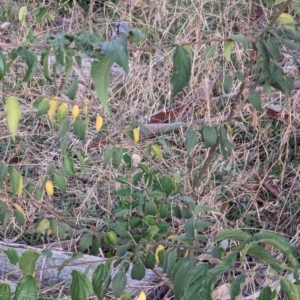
[
  {"x": 53, "y": 106},
  {"x": 228, "y": 45},
  {"x": 22, "y": 15},
  {"x": 75, "y": 112},
  {"x": 99, "y": 122},
  {"x": 157, "y": 151},
  {"x": 43, "y": 226},
  {"x": 13, "y": 114},
  {"x": 136, "y": 134},
  {"x": 287, "y": 21},
  {"x": 62, "y": 112},
  {"x": 49, "y": 231},
  {"x": 20, "y": 188},
  {"x": 49, "y": 188},
  {"x": 85, "y": 106},
  {"x": 158, "y": 249},
  {"x": 19, "y": 209},
  {"x": 141, "y": 296}
]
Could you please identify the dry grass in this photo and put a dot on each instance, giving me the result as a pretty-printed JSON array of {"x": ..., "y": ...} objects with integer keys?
[{"x": 269, "y": 148}]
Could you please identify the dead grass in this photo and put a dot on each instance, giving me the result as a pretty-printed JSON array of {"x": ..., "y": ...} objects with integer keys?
[{"x": 269, "y": 148}]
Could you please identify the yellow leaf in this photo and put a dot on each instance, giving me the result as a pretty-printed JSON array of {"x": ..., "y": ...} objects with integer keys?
[
  {"x": 19, "y": 209},
  {"x": 49, "y": 188},
  {"x": 49, "y": 231},
  {"x": 75, "y": 112},
  {"x": 228, "y": 45},
  {"x": 53, "y": 106},
  {"x": 136, "y": 134},
  {"x": 85, "y": 106},
  {"x": 13, "y": 114},
  {"x": 287, "y": 21},
  {"x": 43, "y": 226},
  {"x": 99, "y": 122},
  {"x": 20, "y": 188},
  {"x": 141, "y": 296},
  {"x": 158, "y": 249},
  {"x": 157, "y": 151},
  {"x": 62, "y": 112}
]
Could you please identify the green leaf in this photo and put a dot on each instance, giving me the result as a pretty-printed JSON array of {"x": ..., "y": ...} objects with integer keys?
[
  {"x": 38, "y": 193},
  {"x": 117, "y": 156},
  {"x": 27, "y": 289},
  {"x": 81, "y": 286},
  {"x": 79, "y": 128},
  {"x": 13, "y": 114},
  {"x": 22, "y": 15},
  {"x": 210, "y": 52},
  {"x": 100, "y": 76},
  {"x": 14, "y": 180},
  {"x": 72, "y": 90},
  {"x": 40, "y": 13},
  {"x": 28, "y": 261},
  {"x": 100, "y": 280},
  {"x": 60, "y": 181},
  {"x": 191, "y": 140},
  {"x": 190, "y": 228},
  {"x": 19, "y": 218},
  {"x": 166, "y": 184},
  {"x": 75, "y": 256},
  {"x": 284, "y": 84},
  {"x": 228, "y": 46},
  {"x": 30, "y": 60},
  {"x": 289, "y": 289},
  {"x": 255, "y": 100},
  {"x": 116, "y": 51},
  {"x": 86, "y": 42},
  {"x": 3, "y": 171},
  {"x": 121, "y": 229},
  {"x": 181, "y": 69},
  {"x": 232, "y": 234},
  {"x": 272, "y": 46},
  {"x": 209, "y": 135},
  {"x": 240, "y": 38},
  {"x": 150, "y": 260},
  {"x": 236, "y": 286},
  {"x": 5, "y": 217},
  {"x": 170, "y": 258},
  {"x": 194, "y": 281},
  {"x": 267, "y": 294},
  {"x": 81, "y": 162},
  {"x": 150, "y": 208},
  {"x": 136, "y": 35},
  {"x": 68, "y": 165},
  {"x": 12, "y": 255},
  {"x": 63, "y": 128},
  {"x": 179, "y": 277},
  {"x": 2, "y": 65},
  {"x": 138, "y": 271},
  {"x": 85, "y": 242},
  {"x": 57, "y": 42},
  {"x": 53, "y": 226},
  {"x": 5, "y": 292},
  {"x": 107, "y": 155},
  {"x": 119, "y": 283}
]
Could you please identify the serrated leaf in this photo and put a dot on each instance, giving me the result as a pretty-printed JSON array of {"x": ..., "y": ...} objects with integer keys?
[
  {"x": 81, "y": 286},
  {"x": 170, "y": 258},
  {"x": 15, "y": 180},
  {"x": 284, "y": 84},
  {"x": 100, "y": 76},
  {"x": 233, "y": 234},
  {"x": 5, "y": 293},
  {"x": 209, "y": 135},
  {"x": 255, "y": 100},
  {"x": 287, "y": 21},
  {"x": 85, "y": 242},
  {"x": 28, "y": 261},
  {"x": 40, "y": 13},
  {"x": 63, "y": 128},
  {"x": 13, "y": 114},
  {"x": 43, "y": 106},
  {"x": 240, "y": 38},
  {"x": 72, "y": 90},
  {"x": 267, "y": 294},
  {"x": 272, "y": 46},
  {"x": 138, "y": 271},
  {"x": 228, "y": 46},
  {"x": 60, "y": 181},
  {"x": 30, "y": 60},
  {"x": 117, "y": 156},
  {"x": 191, "y": 140},
  {"x": 57, "y": 43},
  {"x": 27, "y": 289},
  {"x": 2, "y": 65},
  {"x": 236, "y": 286},
  {"x": 166, "y": 184},
  {"x": 116, "y": 51},
  {"x": 107, "y": 155},
  {"x": 119, "y": 283},
  {"x": 12, "y": 255},
  {"x": 43, "y": 225},
  {"x": 290, "y": 290},
  {"x": 181, "y": 69},
  {"x": 100, "y": 281}
]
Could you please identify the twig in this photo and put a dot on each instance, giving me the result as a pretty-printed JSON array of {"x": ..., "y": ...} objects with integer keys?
[{"x": 163, "y": 278}]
